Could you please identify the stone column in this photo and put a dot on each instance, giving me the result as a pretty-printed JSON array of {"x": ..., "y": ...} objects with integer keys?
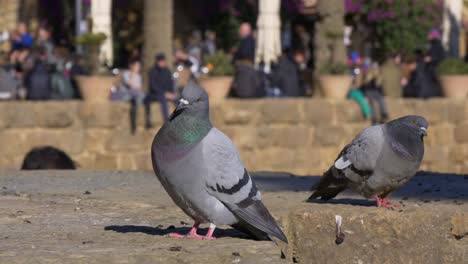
[
  {"x": 8, "y": 14},
  {"x": 101, "y": 14},
  {"x": 157, "y": 31},
  {"x": 329, "y": 31}
]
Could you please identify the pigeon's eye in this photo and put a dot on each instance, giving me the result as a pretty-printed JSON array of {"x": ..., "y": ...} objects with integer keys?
[{"x": 413, "y": 122}]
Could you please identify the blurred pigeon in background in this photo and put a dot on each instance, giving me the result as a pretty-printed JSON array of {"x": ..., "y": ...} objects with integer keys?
[
  {"x": 201, "y": 170},
  {"x": 378, "y": 161}
]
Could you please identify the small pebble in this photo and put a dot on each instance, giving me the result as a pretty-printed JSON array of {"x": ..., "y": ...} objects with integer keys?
[
  {"x": 175, "y": 248},
  {"x": 183, "y": 223},
  {"x": 87, "y": 242},
  {"x": 237, "y": 254},
  {"x": 87, "y": 192},
  {"x": 27, "y": 221}
]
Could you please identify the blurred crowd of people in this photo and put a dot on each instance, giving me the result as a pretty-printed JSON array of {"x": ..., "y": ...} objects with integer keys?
[
  {"x": 401, "y": 75},
  {"x": 33, "y": 68}
]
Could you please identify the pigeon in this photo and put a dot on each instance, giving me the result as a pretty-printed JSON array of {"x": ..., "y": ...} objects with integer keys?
[
  {"x": 378, "y": 161},
  {"x": 201, "y": 170}
]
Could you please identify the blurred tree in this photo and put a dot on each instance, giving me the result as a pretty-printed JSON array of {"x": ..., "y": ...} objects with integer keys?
[
  {"x": 397, "y": 25},
  {"x": 157, "y": 30},
  {"x": 329, "y": 29}
]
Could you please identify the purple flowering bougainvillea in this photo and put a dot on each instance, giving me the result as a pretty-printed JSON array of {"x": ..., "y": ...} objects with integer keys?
[{"x": 397, "y": 25}]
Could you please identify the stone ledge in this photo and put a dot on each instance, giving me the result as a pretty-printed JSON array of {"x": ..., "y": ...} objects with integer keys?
[{"x": 121, "y": 217}]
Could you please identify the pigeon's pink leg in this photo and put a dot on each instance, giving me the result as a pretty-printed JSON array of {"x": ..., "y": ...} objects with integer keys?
[
  {"x": 383, "y": 202},
  {"x": 378, "y": 201},
  {"x": 192, "y": 234},
  {"x": 388, "y": 204},
  {"x": 209, "y": 234}
]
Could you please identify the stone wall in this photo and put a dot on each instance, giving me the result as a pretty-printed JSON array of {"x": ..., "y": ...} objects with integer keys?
[{"x": 301, "y": 136}]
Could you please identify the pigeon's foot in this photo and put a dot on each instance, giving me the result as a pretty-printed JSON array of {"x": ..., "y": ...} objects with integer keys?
[
  {"x": 193, "y": 233},
  {"x": 384, "y": 202}
]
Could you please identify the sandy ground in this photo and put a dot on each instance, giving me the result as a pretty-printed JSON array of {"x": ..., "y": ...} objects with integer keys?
[{"x": 123, "y": 217}]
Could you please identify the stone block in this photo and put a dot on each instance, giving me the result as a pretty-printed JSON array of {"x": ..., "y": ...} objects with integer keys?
[
  {"x": 123, "y": 140},
  {"x": 349, "y": 112},
  {"x": 104, "y": 115},
  {"x": 241, "y": 112},
  {"x": 242, "y": 136},
  {"x": 58, "y": 114},
  {"x": 106, "y": 162},
  {"x": 320, "y": 111},
  {"x": 330, "y": 135},
  {"x": 459, "y": 227},
  {"x": 440, "y": 134},
  {"x": 458, "y": 153},
  {"x": 368, "y": 231},
  {"x": 284, "y": 136},
  {"x": 434, "y": 110},
  {"x": 457, "y": 110},
  {"x": 461, "y": 132},
  {"x": 85, "y": 160},
  {"x": 69, "y": 140},
  {"x": 96, "y": 139},
  {"x": 435, "y": 153},
  {"x": 288, "y": 160},
  {"x": 142, "y": 161},
  {"x": 22, "y": 115},
  {"x": 282, "y": 111},
  {"x": 125, "y": 161}
]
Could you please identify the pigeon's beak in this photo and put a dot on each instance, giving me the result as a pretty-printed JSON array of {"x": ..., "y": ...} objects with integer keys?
[
  {"x": 183, "y": 103},
  {"x": 423, "y": 131},
  {"x": 179, "y": 109}
]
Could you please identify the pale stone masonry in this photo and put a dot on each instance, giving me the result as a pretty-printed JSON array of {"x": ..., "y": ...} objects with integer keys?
[{"x": 301, "y": 136}]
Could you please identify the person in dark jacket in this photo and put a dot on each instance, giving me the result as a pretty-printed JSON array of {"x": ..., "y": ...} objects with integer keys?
[
  {"x": 246, "y": 49},
  {"x": 288, "y": 77},
  {"x": 38, "y": 82},
  {"x": 161, "y": 88},
  {"x": 247, "y": 82},
  {"x": 420, "y": 84}
]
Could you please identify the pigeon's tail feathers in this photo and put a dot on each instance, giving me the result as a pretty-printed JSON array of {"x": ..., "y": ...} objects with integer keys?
[
  {"x": 329, "y": 185},
  {"x": 255, "y": 220}
]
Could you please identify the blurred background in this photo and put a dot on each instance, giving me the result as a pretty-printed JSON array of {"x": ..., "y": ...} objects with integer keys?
[{"x": 86, "y": 84}]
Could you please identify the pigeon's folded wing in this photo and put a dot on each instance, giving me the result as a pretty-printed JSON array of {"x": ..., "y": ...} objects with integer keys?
[
  {"x": 230, "y": 183},
  {"x": 359, "y": 158}
]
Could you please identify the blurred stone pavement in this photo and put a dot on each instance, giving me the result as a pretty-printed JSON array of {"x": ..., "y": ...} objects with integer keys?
[{"x": 122, "y": 217}]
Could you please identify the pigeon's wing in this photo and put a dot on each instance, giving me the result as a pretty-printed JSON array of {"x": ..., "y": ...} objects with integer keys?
[
  {"x": 355, "y": 163},
  {"x": 230, "y": 183}
]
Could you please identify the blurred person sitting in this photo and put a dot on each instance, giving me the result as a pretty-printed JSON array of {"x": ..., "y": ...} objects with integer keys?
[
  {"x": 133, "y": 83},
  {"x": 247, "y": 82},
  {"x": 161, "y": 88},
  {"x": 209, "y": 44},
  {"x": 287, "y": 74},
  {"x": 21, "y": 37},
  {"x": 372, "y": 88},
  {"x": 420, "y": 84},
  {"x": 38, "y": 80},
  {"x": 391, "y": 76},
  {"x": 45, "y": 42}
]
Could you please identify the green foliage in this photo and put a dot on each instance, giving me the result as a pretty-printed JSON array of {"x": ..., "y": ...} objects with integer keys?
[
  {"x": 219, "y": 64},
  {"x": 91, "y": 39},
  {"x": 335, "y": 69},
  {"x": 452, "y": 66},
  {"x": 399, "y": 25}
]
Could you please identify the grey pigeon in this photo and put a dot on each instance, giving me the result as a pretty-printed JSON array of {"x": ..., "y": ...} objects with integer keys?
[
  {"x": 378, "y": 161},
  {"x": 201, "y": 170}
]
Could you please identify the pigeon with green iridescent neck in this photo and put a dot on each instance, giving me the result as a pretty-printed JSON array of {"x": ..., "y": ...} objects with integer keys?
[
  {"x": 201, "y": 170},
  {"x": 378, "y": 161}
]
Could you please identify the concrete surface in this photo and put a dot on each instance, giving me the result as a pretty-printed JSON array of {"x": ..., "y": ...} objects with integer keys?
[{"x": 122, "y": 217}]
